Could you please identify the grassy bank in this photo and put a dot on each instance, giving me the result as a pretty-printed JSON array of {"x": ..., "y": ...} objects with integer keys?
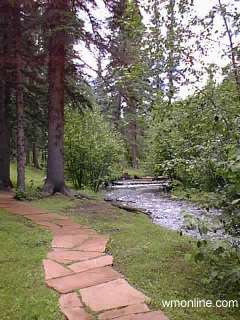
[
  {"x": 23, "y": 294},
  {"x": 152, "y": 258}
]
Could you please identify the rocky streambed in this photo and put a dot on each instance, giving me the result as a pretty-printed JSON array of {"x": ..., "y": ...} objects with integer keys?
[{"x": 152, "y": 198}]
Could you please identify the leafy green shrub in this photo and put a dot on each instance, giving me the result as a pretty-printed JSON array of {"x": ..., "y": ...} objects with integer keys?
[
  {"x": 93, "y": 150},
  {"x": 31, "y": 193},
  {"x": 223, "y": 275}
]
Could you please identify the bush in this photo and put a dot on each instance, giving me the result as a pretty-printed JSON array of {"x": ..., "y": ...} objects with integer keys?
[{"x": 93, "y": 150}]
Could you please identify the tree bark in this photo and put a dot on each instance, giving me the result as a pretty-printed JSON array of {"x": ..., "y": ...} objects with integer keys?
[
  {"x": 171, "y": 41},
  {"x": 19, "y": 103},
  {"x": 235, "y": 67},
  {"x": 132, "y": 135},
  {"x": 5, "y": 182},
  {"x": 56, "y": 74}
]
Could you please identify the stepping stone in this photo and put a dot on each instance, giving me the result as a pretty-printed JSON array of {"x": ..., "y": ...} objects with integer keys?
[
  {"x": 94, "y": 244},
  {"x": 68, "y": 241},
  {"x": 44, "y": 217},
  {"x": 70, "y": 300},
  {"x": 22, "y": 210},
  {"x": 83, "y": 279},
  {"x": 91, "y": 264},
  {"x": 6, "y": 202},
  {"x": 64, "y": 231},
  {"x": 67, "y": 223},
  {"x": 130, "y": 310},
  {"x": 72, "y": 307},
  {"x": 54, "y": 270},
  {"x": 75, "y": 313},
  {"x": 111, "y": 295},
  {"x": 67, "y": 256},
  {"x": 155, "y": 315},
  {"x": 49, "y": 226}
]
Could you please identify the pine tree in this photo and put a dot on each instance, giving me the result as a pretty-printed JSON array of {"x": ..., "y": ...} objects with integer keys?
[{"x": 126, "y": 69}]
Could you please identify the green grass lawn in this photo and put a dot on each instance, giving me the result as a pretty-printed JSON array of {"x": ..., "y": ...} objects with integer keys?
[
  {"x": 152, "y": 258},
  {"x": 23, "y": 294}
]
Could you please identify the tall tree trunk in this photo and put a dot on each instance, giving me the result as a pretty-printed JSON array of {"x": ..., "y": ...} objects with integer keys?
[
  {"x": 35, "y": 156},
  {"x": 19, "y": 103},
  {"x": 57, "y": 11},
  {"x": 116, "y": 114},
  {"x": 235, "y": 66},
  {"x": 132, "y": 135},
  {"x": 5, "y": 182},
  {"x": 27, "y": 157},
  {"x": 171, "y": 49}
]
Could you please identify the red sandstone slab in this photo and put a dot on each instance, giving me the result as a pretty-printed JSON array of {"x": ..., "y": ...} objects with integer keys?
[
  {"x": 70, "y": 300},
  {"x": 75, "y": 313},
  {"x": 6, "y": 202},
  {"x": 22, "y": 210},
  {"x": 130, "y": 310},
  {"x": 67, "y": 223},
  {"x": 84, "y": 279},
  {"x": 43, "y": 217},
  {"x": 67, "y": 256},
  {"x": 92, "y": 264},
  {"x": 49, "y": 226},
  {"x": 155, "y": 315},
  {"x": 111, "y": 295},
  {"x": 97, "y": 243},
  {"x": 54, "y": 270},
  {"x": 66, "y": 231},
  {"x": 6, "y": 194},
  {"x": 68, "y": 241}
]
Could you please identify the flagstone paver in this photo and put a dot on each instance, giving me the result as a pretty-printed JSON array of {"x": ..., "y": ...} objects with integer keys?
[
  {"x": 155, "y": 315},
  {"x": 70, "y": 300},
  {"x": 67, "y": 256},
  {"x": 91, "y": 264},
  {"x": 69, "y": 241},
  {"x": 111, "y": 295},
  {"x": 54, "y": 270},
  {"x": 84, "y": 279},
  {"x": 97, "y": 243},
  {"x": 77, "y": 261},
  {"x": 130, "y": 310},
  {"x": 75, "y": 313}
]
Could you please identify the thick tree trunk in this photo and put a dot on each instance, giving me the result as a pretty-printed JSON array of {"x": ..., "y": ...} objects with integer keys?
[
  {"x": 5, "y": 182},
  {"x": 19, "y": 105},
  {"x": 56, "y": 48},
  {"x": 35, "y": 156}
]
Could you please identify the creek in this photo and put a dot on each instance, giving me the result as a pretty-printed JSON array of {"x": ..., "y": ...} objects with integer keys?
[{"x": 152, "y": 198}]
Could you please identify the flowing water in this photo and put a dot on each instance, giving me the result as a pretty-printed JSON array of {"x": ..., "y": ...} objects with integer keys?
[{"x": 174, "y": 214}]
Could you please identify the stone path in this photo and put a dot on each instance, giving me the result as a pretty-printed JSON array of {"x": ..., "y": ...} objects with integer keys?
[{"x": 78, "y": 268}]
